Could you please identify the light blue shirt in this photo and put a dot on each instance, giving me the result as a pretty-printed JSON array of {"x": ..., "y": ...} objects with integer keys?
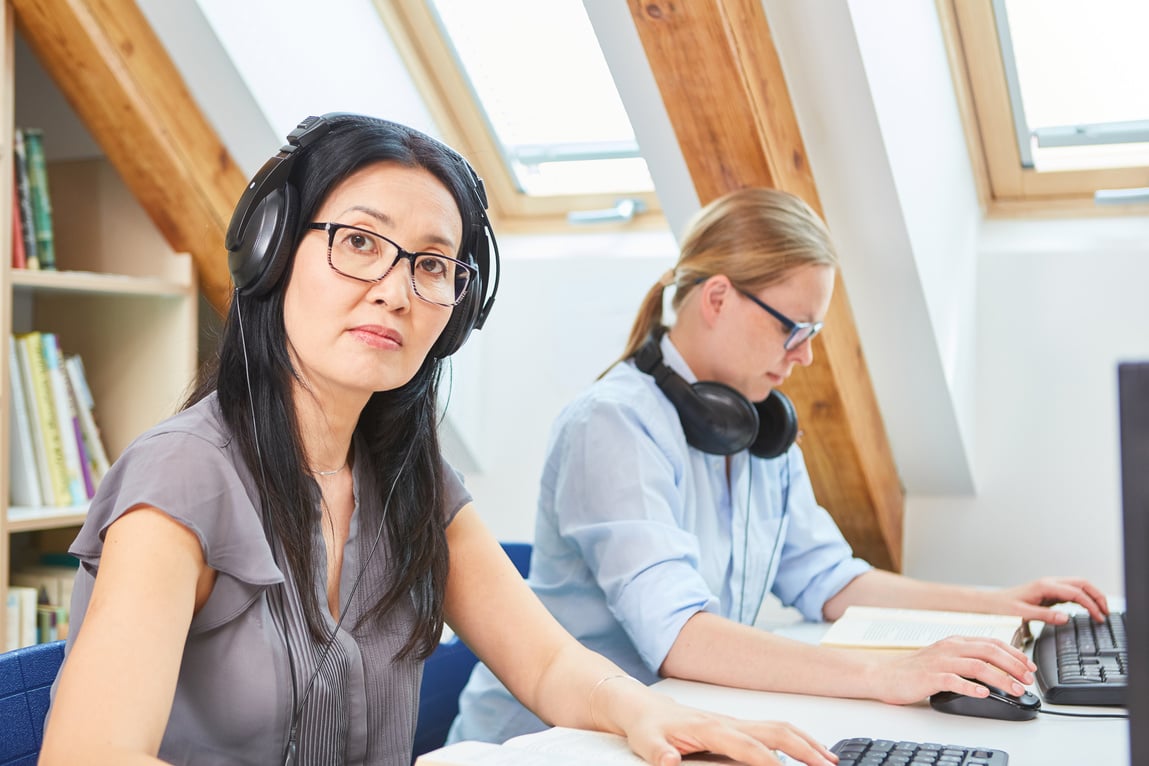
[{"x": 637, "y": 531}]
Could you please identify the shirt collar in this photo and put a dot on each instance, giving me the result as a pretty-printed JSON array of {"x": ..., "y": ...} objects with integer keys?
[{"x": 674, "y": 360}]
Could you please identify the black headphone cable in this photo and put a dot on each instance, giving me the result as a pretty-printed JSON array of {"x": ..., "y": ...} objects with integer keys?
[{"x": 297, "y": 701}]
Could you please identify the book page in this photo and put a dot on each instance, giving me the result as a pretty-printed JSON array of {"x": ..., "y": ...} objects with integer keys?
[
  {"x": 568, "y": 748},
  {"x": 469, "y": 754},
  {"x": 591, "y": 747},
  {"x": 553, "y": 747},
  {"x": 914, "y": 628}
]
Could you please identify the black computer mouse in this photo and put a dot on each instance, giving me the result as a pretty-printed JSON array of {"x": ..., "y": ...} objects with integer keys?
[{"x": 998, "y": 705}]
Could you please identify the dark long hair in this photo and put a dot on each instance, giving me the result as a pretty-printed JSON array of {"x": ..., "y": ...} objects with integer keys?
[{"x": 396, "y": 430}]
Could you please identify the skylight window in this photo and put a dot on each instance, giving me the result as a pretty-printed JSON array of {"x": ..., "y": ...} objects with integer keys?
[
  {"x": 537, "y": 73},
  {"x": 1057, "y": 113},
  {"x": 1078, "y": 97}
]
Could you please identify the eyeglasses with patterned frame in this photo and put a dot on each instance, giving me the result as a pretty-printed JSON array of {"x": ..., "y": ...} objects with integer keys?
[{"x": 359, "y": 254}]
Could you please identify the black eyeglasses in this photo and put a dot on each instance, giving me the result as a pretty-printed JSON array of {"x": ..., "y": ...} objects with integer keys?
[
  {"x": 369, "y": 257},
  {"x": 799, "y": 332}
]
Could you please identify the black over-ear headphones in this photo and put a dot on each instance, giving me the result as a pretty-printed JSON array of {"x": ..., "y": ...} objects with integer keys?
[
  {"x": 265, "y": 219},
  {"x": 715, "y": 417}
]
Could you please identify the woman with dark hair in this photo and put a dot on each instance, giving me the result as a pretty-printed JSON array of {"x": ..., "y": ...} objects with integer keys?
[{"x": 264, "y": 573}]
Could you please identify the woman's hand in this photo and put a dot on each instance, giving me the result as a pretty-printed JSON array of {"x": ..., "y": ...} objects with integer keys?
[
  {"x": 1033, "y": 600},
  {"x": 953, "y": 664},
  {"x": 661, "y": 731}
]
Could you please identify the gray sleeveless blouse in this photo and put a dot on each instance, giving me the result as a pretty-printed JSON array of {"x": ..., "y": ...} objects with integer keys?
[{"x": 234, "y": 695}]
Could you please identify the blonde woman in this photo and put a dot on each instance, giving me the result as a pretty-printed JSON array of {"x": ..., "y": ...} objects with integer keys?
[{"x": 673, "y": 498}]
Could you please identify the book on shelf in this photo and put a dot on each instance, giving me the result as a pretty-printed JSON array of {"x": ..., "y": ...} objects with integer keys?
[
  {"x": 12, "y": 621},
  {"x": 39, "y": 391},
  {"x": 19, "y": 253},
  {"x": 868, "y": 627},
  {"x": 86, "y": 469},
  {"x": 23, "y": 199},
  {"x": 51, "y": 623},
  {"x": 23, "y": 472},
  {"x": 67, "y": 420},
  {"x": 21, "y": 613},
  {"x": 41, "y": 198},
  {"x": 64, "y": 440},
  {"x": 53, "y": 586},
  {"x": 557, "y": 746},
  {"x": 93, "y": 443},
  {"x": 37, "y": 397}
]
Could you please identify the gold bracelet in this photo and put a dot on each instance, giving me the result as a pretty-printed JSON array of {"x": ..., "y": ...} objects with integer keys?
[{"x": 590, "y": 697}]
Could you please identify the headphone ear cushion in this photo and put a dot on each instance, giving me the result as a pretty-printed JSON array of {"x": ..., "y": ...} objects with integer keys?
[
  {"x": 468, "y": 314},
  {"x": 462, "y": 321},
  {"x": 262, "y": 252},
  {"x": 778, "y": 426},
  {"x": 715, "y": 417}
]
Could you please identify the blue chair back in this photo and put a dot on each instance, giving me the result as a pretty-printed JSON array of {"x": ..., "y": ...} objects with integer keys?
[
  {"x": 446, "y": 673},
  {"x": 26, "y": 677},
  {"x": 520, "y": 556}
]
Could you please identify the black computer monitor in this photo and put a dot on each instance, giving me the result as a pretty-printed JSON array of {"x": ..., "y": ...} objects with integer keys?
[{"x": 1133, "y": 401}]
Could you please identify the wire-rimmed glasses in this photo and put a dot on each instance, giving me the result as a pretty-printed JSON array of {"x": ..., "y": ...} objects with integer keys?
[{"x": 369, "y": 257}]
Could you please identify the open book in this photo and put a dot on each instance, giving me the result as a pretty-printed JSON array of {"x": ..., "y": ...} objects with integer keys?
[
  {"x": 553, "y": 747},
  {"x": 868, "y": 627}
]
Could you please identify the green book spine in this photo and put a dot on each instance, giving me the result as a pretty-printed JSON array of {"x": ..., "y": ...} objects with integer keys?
[{"x": 41, "y": 200}]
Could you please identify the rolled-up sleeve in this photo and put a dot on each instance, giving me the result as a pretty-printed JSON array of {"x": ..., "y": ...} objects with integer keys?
[{"x": 816, "y": 561}]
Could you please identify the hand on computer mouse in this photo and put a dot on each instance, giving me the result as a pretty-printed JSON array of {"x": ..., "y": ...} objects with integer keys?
[
  {"x": 997, "y": 705},
  {"x": 948, "y": 665}
]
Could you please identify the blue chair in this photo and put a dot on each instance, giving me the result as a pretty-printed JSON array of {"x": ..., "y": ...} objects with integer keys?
[
  {"x": 446, "y": 673},
  {"x": 26, "y": 677},
  {"x": 520, "y": 556}
]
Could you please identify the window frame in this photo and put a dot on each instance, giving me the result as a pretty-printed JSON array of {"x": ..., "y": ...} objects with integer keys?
[
  {"x": 1005, "y": 186},
  {"x": 451, "y": 102}
]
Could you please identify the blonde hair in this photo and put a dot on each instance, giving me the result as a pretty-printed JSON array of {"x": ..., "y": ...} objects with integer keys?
[{"x": 756, "y": 237}]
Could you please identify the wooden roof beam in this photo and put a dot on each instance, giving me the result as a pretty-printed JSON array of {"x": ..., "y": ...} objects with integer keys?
[{"x": 723, "y": 87}]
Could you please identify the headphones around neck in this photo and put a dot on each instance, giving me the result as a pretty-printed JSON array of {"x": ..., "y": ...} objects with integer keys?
[
  {"x": 715, "y": 417},
  {"x": 259, "y": 237}
]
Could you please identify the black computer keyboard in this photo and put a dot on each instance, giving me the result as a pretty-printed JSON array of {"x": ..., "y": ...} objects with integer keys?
[
  {"x": 1083, "y": 662},
  {"x": 861, "y": 751}
]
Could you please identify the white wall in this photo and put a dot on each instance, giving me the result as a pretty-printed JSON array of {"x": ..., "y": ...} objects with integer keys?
[
  {"x": 564, "y": 311},
  {"x": 1059, "y": 304}
]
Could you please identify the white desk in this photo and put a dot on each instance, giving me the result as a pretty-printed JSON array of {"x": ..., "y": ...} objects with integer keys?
[{"x": 1043, "y": 741}]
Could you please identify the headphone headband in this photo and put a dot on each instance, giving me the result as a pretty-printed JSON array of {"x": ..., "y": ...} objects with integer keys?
[
  {"x": 273, "y": 175},
  {"x": 259, "y": 236}
]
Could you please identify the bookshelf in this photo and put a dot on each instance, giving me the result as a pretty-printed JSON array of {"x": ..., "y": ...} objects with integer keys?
[{"x": 121, "y": 299}]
